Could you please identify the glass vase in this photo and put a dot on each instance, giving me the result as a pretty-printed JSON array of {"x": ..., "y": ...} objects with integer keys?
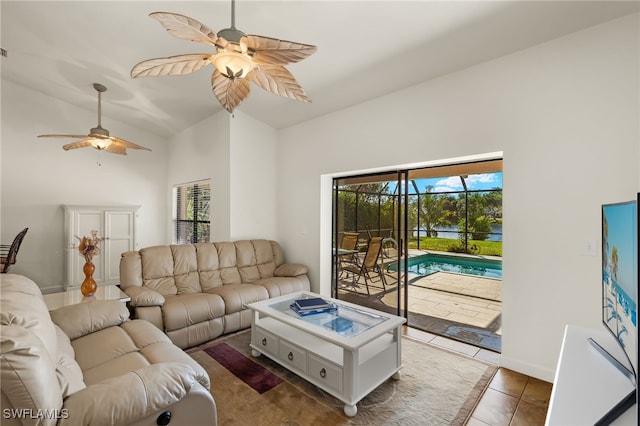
[{"x": 89, "y": 286}]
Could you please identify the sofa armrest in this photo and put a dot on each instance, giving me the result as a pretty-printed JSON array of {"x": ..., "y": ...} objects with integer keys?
[
  {"x": 132, "y": 396},
  {"x": 142, "y": 296},
  {"x": 85, "y": 318},
  {"x": 290, "y": 270}
]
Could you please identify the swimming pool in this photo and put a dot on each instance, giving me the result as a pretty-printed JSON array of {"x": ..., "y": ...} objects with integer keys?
[{"x": 432, "y": 263}]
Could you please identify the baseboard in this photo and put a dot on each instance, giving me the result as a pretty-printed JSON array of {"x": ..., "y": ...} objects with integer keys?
[
  {"x": 532, "y": 370},
  {"x": 52, "y": 289}
]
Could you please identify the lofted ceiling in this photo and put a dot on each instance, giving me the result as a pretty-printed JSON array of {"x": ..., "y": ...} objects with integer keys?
[{"x": 366, "y": 49}]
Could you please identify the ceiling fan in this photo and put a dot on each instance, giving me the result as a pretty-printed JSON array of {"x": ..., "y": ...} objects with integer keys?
[
  {"x": 239, "y": 59},
  {"x": 98, "y": 137}
]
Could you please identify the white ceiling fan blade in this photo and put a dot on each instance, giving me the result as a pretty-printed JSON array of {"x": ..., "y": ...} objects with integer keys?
[
  {"x": 279, "y": 81},
  {"x": 63, "y": 136},
  {"x": 80, "y": 144},
  {"x": 126, "y": 144},
  {"x": 278, "y": 52},
  {"x": 115, "y": 148},
  {"x": 172, "y": 65},
  {"x": 185, "y": 28},
  {"x": 230, "y": 92}
]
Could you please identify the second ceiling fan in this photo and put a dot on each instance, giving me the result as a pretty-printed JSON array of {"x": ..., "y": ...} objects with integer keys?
[{"x": 238, "y": 60}]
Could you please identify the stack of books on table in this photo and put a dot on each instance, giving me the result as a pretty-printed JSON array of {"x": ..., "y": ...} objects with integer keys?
[{"x": 315, "y": 305}]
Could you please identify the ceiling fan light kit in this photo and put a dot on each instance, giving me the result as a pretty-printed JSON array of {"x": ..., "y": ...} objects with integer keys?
[
  {"x": 98, "y": 136},
  {"x": 238, "y": 60}
]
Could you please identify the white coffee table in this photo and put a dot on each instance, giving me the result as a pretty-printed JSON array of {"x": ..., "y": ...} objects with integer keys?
[
  {"x": 73, "y": 296},
  {"x": 347, "y": 364}
]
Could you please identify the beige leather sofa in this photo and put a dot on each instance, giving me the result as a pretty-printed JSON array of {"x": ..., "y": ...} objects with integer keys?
[
  {"x": 89, "y": 364},
  {"x": 196, "y": 292}
]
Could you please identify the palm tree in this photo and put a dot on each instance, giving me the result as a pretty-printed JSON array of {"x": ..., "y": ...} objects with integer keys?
[
  {"x": 614, "y": 261},
  {"x": 433, "y": 213}
]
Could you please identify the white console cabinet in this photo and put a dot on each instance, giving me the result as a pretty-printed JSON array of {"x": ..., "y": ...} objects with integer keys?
[
  {"x": 116, "y": 224},
  {"x": 586, "y": 385}
]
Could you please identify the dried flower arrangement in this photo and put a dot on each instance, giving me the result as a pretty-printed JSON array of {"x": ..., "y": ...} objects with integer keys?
[{"x": 88, "y": 246}]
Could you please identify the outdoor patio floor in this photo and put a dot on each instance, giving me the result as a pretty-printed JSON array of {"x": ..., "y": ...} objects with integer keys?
[{"x": 462, "y": 307}]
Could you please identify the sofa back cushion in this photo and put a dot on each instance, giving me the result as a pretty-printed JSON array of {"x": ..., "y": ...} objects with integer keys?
[
  {"x": 208, "y": 265},
  {"x": 246, "y": 259},
  {"x": 185, "y": 268},
  {"x": 28, "y": 343},
  {"x": 267, "y": 254},
  {"x": 228, "y": 263},
  {"x": 157, "y": 269},
  {"x": 68, "y": 371},
  {"x": 21, "y": 304},
  {"x": 28, "y": 373},
  {"x": 194, "y": 268}
]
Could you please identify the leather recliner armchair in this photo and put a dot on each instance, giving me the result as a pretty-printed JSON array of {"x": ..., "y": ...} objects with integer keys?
[{"x": 90, "y": 364}]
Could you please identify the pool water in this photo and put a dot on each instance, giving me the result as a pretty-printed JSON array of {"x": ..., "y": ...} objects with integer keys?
[{"x": 432, "y": 263}]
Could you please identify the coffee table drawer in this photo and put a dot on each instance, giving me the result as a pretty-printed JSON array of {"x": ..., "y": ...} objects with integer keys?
[
  {"x": 325, "y": 372},
  {"x": 265, "y": 341},
  {"x": 293, "y": 356}
]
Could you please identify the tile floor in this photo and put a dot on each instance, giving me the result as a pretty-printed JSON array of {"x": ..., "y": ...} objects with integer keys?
[{"x": 511, "y": 399}]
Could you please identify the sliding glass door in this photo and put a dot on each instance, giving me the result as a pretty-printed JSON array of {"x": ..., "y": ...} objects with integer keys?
[
  {"x": 369, "y": 234},
  {"x": 425, "y": 244}
]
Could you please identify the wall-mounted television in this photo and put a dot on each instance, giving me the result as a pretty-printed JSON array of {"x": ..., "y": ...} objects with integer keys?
[{"x": 620, "y": 289}]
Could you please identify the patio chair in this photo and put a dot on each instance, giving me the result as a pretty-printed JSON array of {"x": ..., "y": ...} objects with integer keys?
[
  {"x": 369, "y": 267},
  {"x": 350, "y": 243},
  {"x": 9, "y": 253}
]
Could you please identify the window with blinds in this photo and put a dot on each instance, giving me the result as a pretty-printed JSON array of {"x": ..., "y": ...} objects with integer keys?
[{"x": 191, "y": 212}]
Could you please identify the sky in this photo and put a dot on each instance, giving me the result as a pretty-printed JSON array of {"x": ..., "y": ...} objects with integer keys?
[{"x": 453, "y": 183}]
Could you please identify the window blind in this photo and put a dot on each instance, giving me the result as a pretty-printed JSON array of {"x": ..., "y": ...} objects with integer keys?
[{"x": 191, "y": 203}]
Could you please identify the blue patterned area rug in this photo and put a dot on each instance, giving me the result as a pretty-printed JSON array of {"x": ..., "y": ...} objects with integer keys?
[{"x": 437, "y": 387}]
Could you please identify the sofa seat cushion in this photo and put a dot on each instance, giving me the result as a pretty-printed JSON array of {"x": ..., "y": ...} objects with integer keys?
[
  {"x": 237, "y": 296},
  {"x": 135, "y": 344},
  {"x": 278, "y": 286},
  {"x": 184, "y": 310}
]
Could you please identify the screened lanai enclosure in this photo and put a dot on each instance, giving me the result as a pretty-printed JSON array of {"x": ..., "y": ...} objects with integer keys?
[{"x": 425, "y": 244}]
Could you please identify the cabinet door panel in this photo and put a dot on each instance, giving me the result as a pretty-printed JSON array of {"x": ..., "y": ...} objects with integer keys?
[
  {"x": 116, "y": 224},
  {"x": 119, "y": 237},
  {"x": 83, "y": 223}
]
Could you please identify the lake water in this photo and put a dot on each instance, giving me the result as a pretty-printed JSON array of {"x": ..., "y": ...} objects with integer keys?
[{"x": 451, "y": 232}]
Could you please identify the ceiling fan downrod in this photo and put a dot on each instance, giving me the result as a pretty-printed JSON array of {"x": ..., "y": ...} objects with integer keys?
[{"x": 99, "y": 130}]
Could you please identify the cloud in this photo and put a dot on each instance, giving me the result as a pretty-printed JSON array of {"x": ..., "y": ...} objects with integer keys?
[
  {"x": 483, "y": 178},
  {"x": 453, "y": 183}
]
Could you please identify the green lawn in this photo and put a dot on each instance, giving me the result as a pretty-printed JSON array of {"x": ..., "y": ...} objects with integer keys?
[{"x": 487, "y": 248}]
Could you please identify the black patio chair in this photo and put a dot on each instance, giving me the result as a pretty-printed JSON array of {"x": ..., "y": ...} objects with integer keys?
[{"x": 9, "y": 253}]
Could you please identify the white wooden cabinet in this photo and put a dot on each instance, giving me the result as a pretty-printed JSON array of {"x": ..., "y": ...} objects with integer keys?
[{"x": 116, "y": 224}]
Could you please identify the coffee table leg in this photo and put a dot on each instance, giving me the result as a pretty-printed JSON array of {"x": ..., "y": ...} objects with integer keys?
[
  {"x": 396, "y": 375},
  {"x": 255, "y": 353},
  {"x": 350, "y": 410}
]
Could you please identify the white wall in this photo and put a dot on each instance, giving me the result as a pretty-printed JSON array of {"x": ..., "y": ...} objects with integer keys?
[
  {"x": 566, "y": 116},
  {"x": 254, "y": 185},
  {"x": 202, "y": 152},
  {"x": 239, "y": 154},
  {"x": 38, "y": 176}
]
